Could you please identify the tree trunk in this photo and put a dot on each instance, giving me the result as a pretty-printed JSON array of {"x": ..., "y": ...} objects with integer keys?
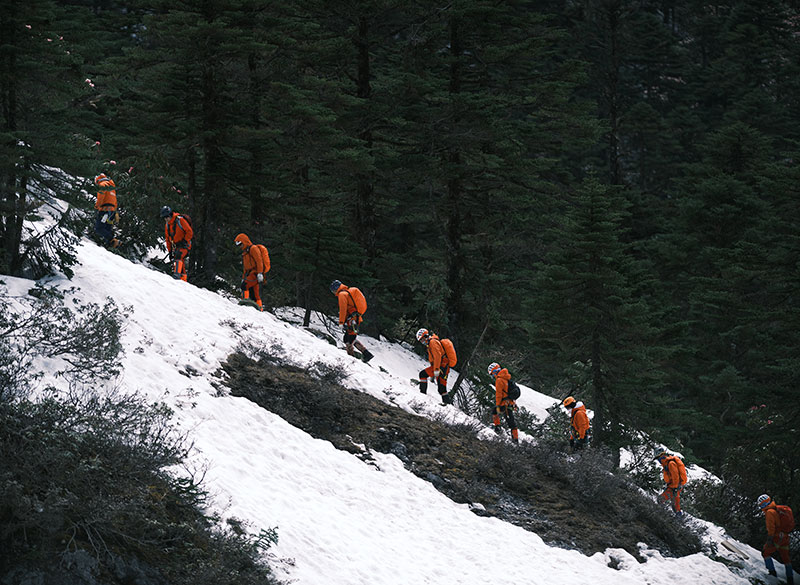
[
  {"x": 366, "y": 224},
  {"x": 10, "y": 204},
  {"x": 454, "y": 260},
  {"x": 462, "y": 372}
]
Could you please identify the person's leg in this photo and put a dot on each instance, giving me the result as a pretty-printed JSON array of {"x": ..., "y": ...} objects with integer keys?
[
  {"x": 103, "y": 229},
  {"x": 349, "y": 339},
  {"x": 365, "y": 353},
  {"x": 179, "y": 269},
  {"x": 252, "y": 288},
  {"x": 441, "y": 383},
  {"x": 423, "y": 379},
  {"x": 512, "y": 423},
  {"x": 766, "y": 552}
]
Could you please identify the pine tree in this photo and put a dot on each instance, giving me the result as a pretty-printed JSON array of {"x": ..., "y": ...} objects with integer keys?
[
  {"x": 588, "y": 310},
  {"x": 42, "y": 90}
]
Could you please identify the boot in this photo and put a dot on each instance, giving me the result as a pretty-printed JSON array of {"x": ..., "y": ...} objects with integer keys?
[{"x": 366, "y": 355}]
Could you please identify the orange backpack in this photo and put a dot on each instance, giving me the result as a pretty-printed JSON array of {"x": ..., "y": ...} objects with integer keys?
[
  {"x": 264, "y": 256},
  {"x": 681, "y": 468},
  {"x": 358, "y": 299},
  {"x": 786, "y": 518},
  {"x": 450, "y": 351}
]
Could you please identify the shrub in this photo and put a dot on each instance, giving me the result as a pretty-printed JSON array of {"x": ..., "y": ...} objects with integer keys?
[
  {"x": 87, "y": 475},
  {"x": 85, "y": 339}
]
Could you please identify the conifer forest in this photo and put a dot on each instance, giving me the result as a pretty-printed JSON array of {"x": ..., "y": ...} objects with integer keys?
[{"x": 602, "y": 195}]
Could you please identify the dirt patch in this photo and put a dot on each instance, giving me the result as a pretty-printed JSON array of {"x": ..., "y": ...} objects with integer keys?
[{"x": 576, "y": 505}]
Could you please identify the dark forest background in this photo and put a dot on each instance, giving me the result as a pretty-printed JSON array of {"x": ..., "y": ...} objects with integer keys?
[{"x": 600, "y": 195}]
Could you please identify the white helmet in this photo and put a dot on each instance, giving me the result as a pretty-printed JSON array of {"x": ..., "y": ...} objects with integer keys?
[
  {"x": 763, "y": 501},
  {"x": 493, "y": 369},
  {"x": 422, "y": 335}
]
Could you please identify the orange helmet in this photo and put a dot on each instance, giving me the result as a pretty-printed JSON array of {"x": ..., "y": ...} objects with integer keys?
[{"x": 569, "y": 402}]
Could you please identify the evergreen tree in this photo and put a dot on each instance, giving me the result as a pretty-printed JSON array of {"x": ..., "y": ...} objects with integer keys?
[
  {"x": 43, "y": 92},
  {"x": 588, "y": 309}
]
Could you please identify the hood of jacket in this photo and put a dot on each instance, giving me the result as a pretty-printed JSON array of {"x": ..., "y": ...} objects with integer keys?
[{"x": 246, "y": 243}]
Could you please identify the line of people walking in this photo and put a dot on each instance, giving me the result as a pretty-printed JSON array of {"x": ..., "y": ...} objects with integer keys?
[{"x": 441, "y": 355}]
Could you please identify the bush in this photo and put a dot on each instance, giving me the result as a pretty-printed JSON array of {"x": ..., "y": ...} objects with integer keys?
[
  {"x": 86, "y": 478},
  {"x": 86, "y": 339}
]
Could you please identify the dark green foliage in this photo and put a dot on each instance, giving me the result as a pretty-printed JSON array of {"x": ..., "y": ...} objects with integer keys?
[
  {"x": 89, "y": 474},
  {"x": 591, "y": 307},
  {"x": 611, "y": 185}
]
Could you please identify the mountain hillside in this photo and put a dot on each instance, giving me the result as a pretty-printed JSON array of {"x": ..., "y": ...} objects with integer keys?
[{"x": 365, "y": 480}]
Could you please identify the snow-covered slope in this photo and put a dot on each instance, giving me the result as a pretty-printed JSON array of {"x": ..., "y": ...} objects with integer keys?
[{"x": 340, "y": 521}]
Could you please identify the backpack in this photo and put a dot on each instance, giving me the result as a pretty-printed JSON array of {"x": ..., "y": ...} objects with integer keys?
[
  {"x": 786, "y": 518},
  {"x": 186, "y": 217},
  {"x": 264, "y": 256},
  {"x": 513, "y": 391},
  {"x": 681, "y": 468},
  {"x": 358, "y": 299},
  {"x": 450, "y": 351}
]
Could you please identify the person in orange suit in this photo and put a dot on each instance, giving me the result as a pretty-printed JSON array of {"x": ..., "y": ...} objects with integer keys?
[
  {"x": 349, "y": 319},
  {"x": 440, "y": 365},
  {"x": 778, "y": 540},
  {"x": 580, "y": 432},
  {"x": 503, "y": 404},
  {"x": 674, "y": 472},
  {"x": 106, "y": 206},
  {"x": 178, "y": 234},
  {"x": 252, "y": 269}
]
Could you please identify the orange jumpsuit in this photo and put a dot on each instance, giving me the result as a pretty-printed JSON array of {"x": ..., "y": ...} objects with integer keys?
[
  {"x": 252, "y": 266},
  {"x": 178, "y": 233},
  {"x": 439, "y": 361},
  {"x": 503, "y": 404},
  {"x": 672, "y": 477},
  {"x": 105, "y": 203},
  {"x": 778, "y": 540},
  {"x": 348, "y": 314}
]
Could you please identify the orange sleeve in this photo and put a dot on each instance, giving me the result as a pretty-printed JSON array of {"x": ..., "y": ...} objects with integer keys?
[
  {"x": 188, "y": 232},
  {"x": 773, "y": 524},
  {"x": 342, "y": 296},
  {"x": 500, "y": 390},
  {"x": 436, "y": 351}
]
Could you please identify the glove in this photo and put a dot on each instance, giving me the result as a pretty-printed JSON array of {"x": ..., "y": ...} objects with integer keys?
[
  {"x": 497, "y": 429},
  {"x": 260, "y": 278},
  {"x": 345, "y": 330},
  {"x": 432, "y": 380},
  {"x": 435, "y": 373},
  {"x": 243, "y": 286}
]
